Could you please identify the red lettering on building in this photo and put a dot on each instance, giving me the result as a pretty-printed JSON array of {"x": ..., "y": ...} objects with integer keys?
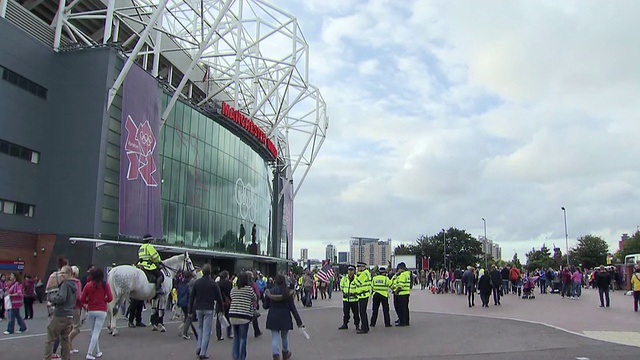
[{"x": 246, "y": 123}]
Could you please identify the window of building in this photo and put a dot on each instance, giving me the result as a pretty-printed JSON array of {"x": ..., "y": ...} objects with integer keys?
[
  {"x": 16, "y": 208},
  {"x": 23, "y": 83},
  {"x": 18, "y": 151}
]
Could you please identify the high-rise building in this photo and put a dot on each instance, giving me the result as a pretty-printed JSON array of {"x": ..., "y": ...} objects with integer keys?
[
  {"x": 343, "y": 257},
  {"x": 330, "y": 253},
  {"x": 490, "y": 248},
  {"x": 373, "y": 251},
  {"x": 304, "y": 254}
]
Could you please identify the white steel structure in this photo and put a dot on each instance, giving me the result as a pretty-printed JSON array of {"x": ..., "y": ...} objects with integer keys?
[{"x": 246, "y": 52}]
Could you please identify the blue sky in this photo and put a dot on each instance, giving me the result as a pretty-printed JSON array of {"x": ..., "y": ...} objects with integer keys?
[{"x": 442, "y": 113}]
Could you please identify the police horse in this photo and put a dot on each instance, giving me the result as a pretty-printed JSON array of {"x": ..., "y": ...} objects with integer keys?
[{"x": 128, "y": 281}]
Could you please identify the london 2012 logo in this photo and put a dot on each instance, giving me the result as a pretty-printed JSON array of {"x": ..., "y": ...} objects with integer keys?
[
  {"x": 140, "y": 145},
  {"x": 246, "y": 198}
]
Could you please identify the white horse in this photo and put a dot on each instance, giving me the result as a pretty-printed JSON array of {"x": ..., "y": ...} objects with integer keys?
[{"x": 127, "y": 281}]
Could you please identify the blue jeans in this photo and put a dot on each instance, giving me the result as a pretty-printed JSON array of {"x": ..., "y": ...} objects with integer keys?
[
  {"x": 240, "y": 333},
  {"x": 95, "y": 319},
  {"x": 577, "y": 289},
  {"x": 205, "y": 325},
  {"x": 14, "y": 314},
  {"x": 505, "y": 286},
  {"x": 276, "y": 335}
]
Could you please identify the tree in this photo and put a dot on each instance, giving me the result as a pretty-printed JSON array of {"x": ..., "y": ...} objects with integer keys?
[
  {"x": 403, "y": 249},
  {"x": 515, "y": 261},
  {"x": 539, "y": 259},
  {"x": 462, "y": 249},
  {"x": 590, "y": 252},
  {"x": 630, "y": 246}
]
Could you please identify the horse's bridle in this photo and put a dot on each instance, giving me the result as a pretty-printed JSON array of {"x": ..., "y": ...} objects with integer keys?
[{"x": 185, "y": 264}]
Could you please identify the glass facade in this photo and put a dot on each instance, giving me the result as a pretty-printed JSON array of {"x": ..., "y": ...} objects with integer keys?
[{"x": 212, "y": 184}]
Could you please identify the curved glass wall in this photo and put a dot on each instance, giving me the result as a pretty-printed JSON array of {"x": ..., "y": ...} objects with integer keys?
[{"x": 212, "y": 184}]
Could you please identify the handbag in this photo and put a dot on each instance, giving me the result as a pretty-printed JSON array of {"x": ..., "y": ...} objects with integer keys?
[{"x": 7, "y": 302}]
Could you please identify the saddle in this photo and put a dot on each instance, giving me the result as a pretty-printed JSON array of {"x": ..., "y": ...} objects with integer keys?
[{"x": 151, "y": 277}]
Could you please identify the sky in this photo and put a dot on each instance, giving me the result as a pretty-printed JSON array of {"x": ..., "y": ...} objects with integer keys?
[{"x": 446, "y": 112}]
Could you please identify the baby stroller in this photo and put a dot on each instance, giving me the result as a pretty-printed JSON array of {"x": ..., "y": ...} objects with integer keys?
[{"x": 527, "y": 289}]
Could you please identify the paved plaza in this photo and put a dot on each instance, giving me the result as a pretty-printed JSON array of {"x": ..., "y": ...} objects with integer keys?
[{"x": 442, "y": 327}]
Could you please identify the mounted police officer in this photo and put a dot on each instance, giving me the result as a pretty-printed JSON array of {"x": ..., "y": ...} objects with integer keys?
[{"x": 150, "y": 261}]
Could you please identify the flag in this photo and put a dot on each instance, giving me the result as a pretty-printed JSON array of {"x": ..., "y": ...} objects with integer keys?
[{"x": 325, "y": 273}]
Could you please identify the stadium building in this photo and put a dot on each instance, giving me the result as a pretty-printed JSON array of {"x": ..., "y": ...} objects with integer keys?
[{"x": 186, "y": 120}]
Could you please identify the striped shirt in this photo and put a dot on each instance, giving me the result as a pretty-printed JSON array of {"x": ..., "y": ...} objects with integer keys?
[{"x": 241, "y": 308}]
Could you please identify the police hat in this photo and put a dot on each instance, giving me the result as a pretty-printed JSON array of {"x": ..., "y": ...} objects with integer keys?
[
  {"x": 351, "y": 267},
  {"x": 382, "y": 269},
  {"x": 361, "y": 263},
  {"x": 402, "y": 265}
]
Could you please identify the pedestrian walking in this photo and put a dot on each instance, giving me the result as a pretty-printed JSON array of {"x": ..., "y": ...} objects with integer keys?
[
  {"x": 225, "y": 289},
  {"x": 635, "y": 286},
  {"x": 469, "y": 280},
  {"x": 603, "y": 281},
  {"x": 496, "y": 284},
  {"x": 13, "y": 302},
  {"x": 279, "y": 301},
  {"x": 484, "y": 285},
  {"x": 29, "y": 290},
  {"x": 204, "y": 299},
  {"x": 61, "y": 323},
  {"x": 95, "y": 297},
  {"x": 241, "y": 313}
]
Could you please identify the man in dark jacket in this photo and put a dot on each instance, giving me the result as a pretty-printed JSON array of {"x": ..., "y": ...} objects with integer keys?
[
  {"x": 603, "y": 279},
  {"x": 496, "y": 282},
  {"x": 505, "y": 280},
  {"x": 203, "y": 300},
  {"x": 61, "y": 323},
  {"x": 225, "y": 288}
]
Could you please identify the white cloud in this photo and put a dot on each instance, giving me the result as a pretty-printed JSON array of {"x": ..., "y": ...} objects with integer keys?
[{"x": 446, "y": 112}]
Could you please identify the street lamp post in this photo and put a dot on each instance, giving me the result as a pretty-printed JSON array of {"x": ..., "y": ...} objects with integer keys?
[
  {"x": 486, "y": 243},
  {"x": 444, "y": 241},
  {"x": 566, "y": 235}
]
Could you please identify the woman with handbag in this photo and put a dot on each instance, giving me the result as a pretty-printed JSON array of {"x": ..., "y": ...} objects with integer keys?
[
  {"x": 241, "y": 313},
  {"x": 13, "y": 300}
]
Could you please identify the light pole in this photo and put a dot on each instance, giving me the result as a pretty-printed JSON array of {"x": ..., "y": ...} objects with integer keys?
[
  {"x": 566, "y": 235},
  {"x": 486, "y": 242},
  {"x": 444, "y": 242}
]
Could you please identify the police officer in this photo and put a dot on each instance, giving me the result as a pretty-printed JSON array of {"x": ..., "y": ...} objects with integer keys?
[
  {"x": 401, "y": 286},
  {"x": 150, "y": 260},
  {"x": 364, "y": 277},
  {"x": 380, "y": 287},
  {"x": 350, "y": 287}
]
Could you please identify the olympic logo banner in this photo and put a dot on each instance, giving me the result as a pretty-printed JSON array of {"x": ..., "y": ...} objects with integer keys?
[{"x": 140, "y": 203}]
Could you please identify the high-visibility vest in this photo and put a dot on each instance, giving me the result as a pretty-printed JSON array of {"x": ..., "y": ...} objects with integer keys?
[
  {"x": 364, "y": 278},
  {"x": 402, "y": 285},
  {"x": 380, "y": 285},
  {"x": 148, "y": 256},
  {"x": 350, "y": 289}
]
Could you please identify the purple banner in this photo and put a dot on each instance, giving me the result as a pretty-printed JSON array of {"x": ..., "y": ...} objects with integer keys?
[{"x": 140, "y": 203}]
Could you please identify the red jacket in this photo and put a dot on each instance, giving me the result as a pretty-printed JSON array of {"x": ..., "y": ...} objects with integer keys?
[
  {"x": 96, "y": 296},
  {"x": 514, "y": 274}
]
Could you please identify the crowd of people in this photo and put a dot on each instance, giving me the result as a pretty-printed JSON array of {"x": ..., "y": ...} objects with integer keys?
[{"x": 567, "y": 281}]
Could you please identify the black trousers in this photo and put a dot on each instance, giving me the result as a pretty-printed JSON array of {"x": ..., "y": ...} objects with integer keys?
[
  {"x": 484, "y": 296},
  {"x": 471, "y": 296},
  {"x": 377, "y": 300},
  {"x": 496, "y": 295},
  {"x": 135, "y": 310},
  {"x": 402, "y": 302},
  {"x": 362, "y": 306},
  {"x": 28, "y": 307},
  {"x": 350, "y": 307},
  {"x": 605, "y": 292},
  {"x": 396, "y": 307}
]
